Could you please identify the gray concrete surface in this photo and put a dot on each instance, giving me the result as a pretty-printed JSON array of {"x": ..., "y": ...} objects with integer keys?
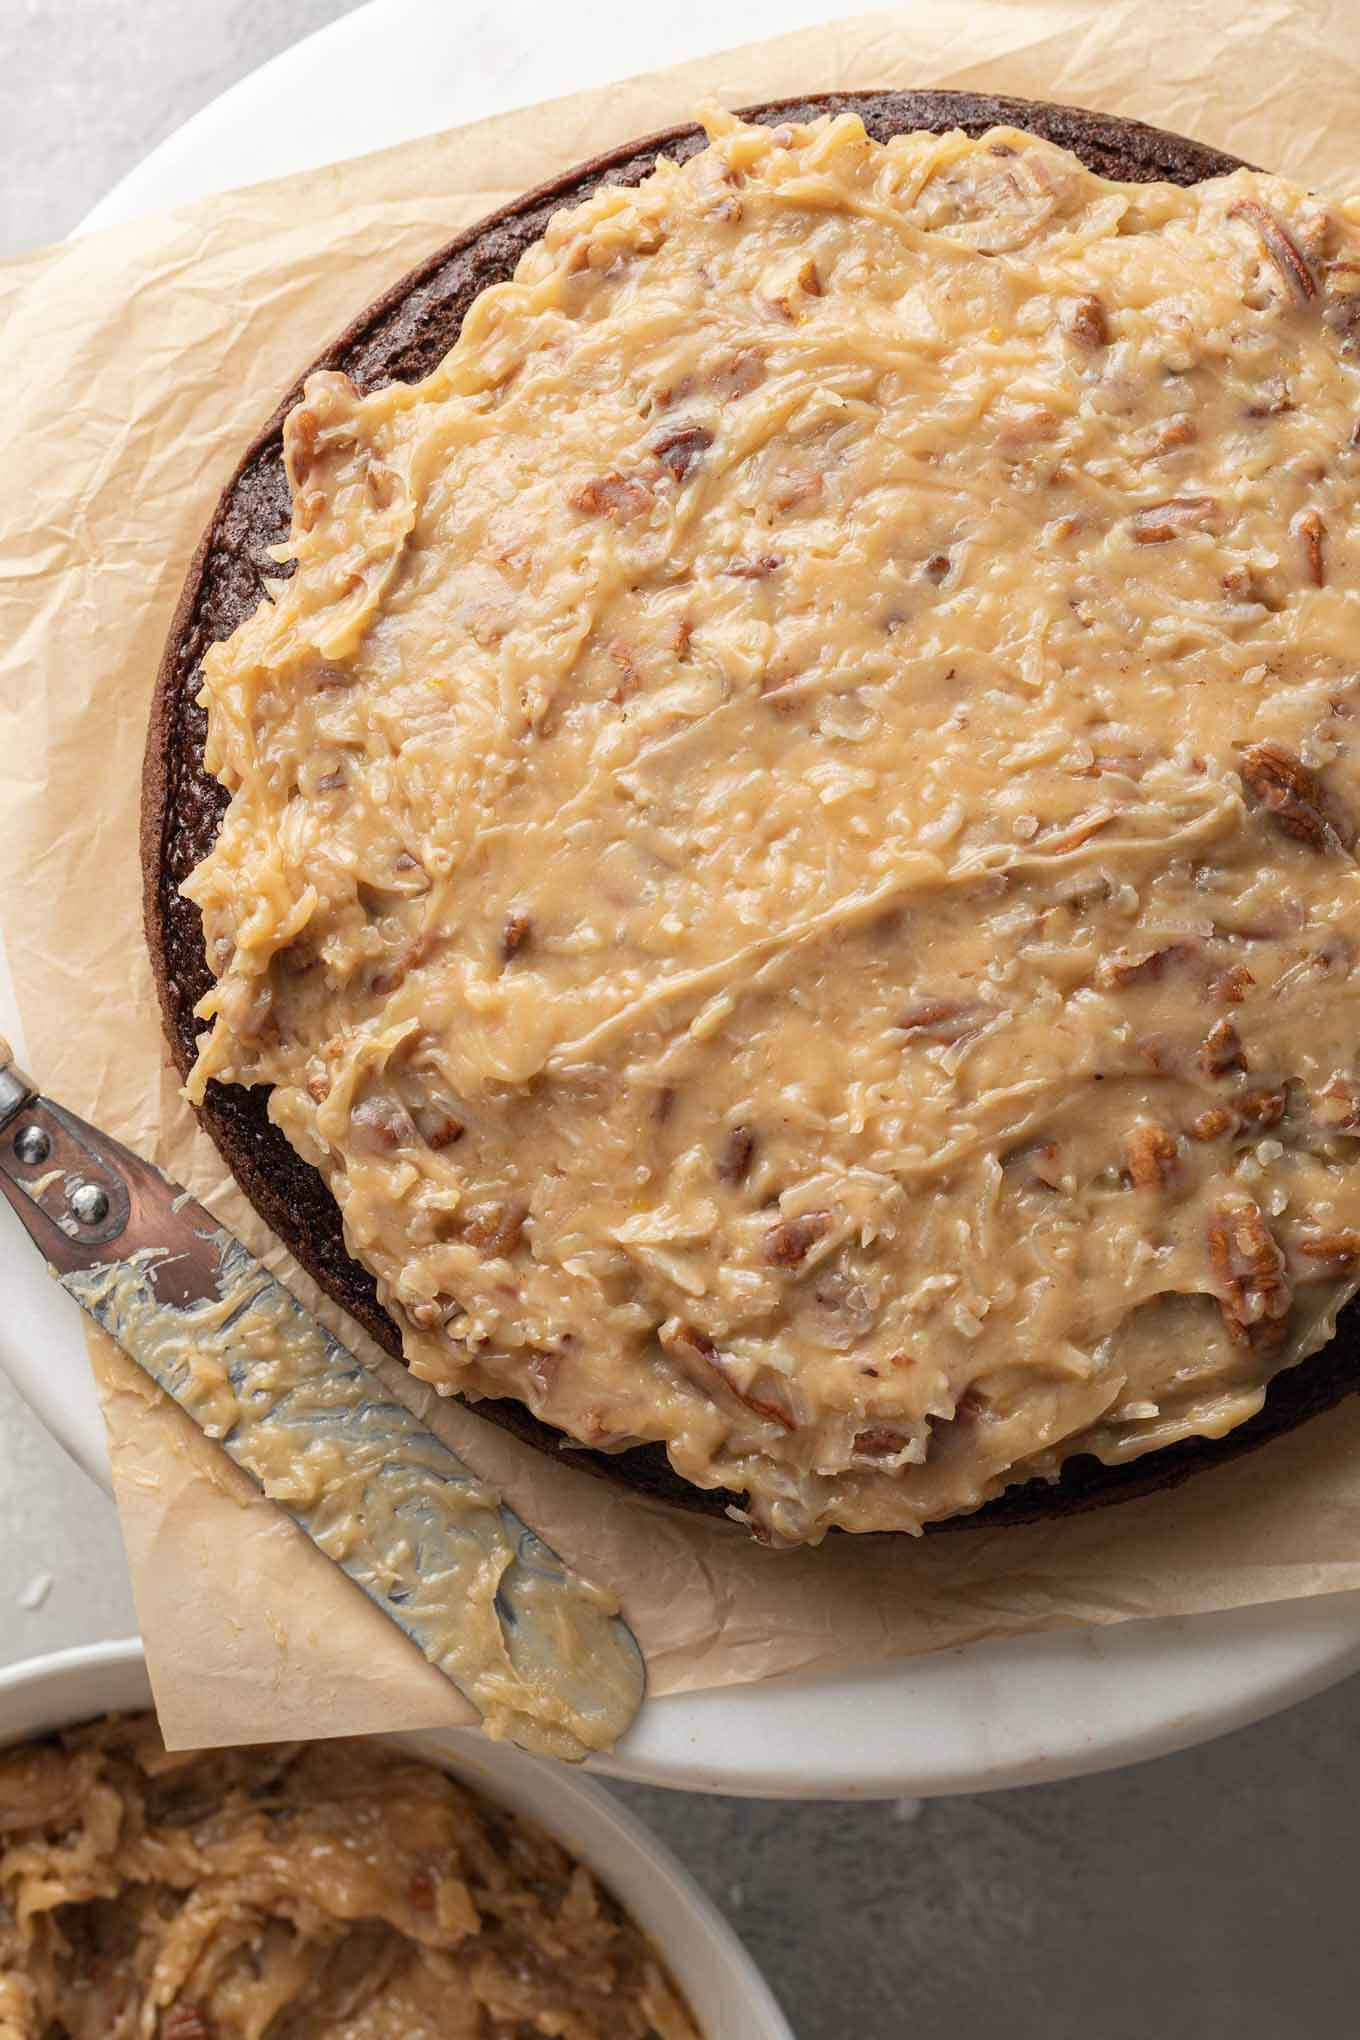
[
  {"x": 88, "y": 87},
  {"x": 1206, "y": 1896}
]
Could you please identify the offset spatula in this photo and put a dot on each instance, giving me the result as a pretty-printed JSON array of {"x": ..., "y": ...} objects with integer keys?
[{"x": 538, "y": 1650}]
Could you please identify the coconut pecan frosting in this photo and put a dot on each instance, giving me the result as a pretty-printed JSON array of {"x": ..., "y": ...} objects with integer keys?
[
  {"x": 791, "y": 846},
  {"x": 297, "y": 1891}
]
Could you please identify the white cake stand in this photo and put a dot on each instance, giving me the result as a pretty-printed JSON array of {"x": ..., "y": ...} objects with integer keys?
[{"x": 960, "y": 1721}]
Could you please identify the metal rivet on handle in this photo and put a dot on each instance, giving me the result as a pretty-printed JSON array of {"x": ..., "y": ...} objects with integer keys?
[
  {"x": 32, "y": 1145},
  {"x": 89, "y": 1203}
]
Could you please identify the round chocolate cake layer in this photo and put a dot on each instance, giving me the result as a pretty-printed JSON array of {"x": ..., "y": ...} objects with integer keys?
[{"x": 402, "y": 338}]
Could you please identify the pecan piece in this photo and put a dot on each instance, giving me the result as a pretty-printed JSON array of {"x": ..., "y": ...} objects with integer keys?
[
  {"x": 1150, "y": 1155},
  {"x": 790, "y": 490},
  {"x": 1274, "y": 399},
  {"x": 734, "y": 1155},
  {"x": 379, "y": 1126},
  {"x": 1333, "y": 956},
  {"x": 1282, "y": 251},
  {"x": 396, "y": 973},
  {"x": 1180, "y": 430},
  {"x": 1244, "y": 584},
  {"x": 1291, "y": 794},
  {"x": 937, "y": 1020},
  {"x": 966, "y": 1412},
  {"x": 789, "y": 1243},
  {"x": 806, "y": 282},
  {"x": 1128, "y": 967},
  {"x": 1036, "y": 425},
  {"x": 1119, "y": 764},
  {"x": 681, "y": 449},
  {"x": 1088, "y": 321},
  {"x": 842, "y": 1310},
  {"x": 327, "y": 400},
  {"x": 1071, "y": 835},
  {"x": 1260, "y": 1108},
  {"x": 702, "y": 1363},
  {"x": 1158, "y": 523},
  {"x": 1230, "y": 986},
  {"x": 301, "y": 440},
  {"x": 879, "y": 1442},
  {"x": 1159, "y": 1051},
  {"x": 1341, "y": 311},
  {"x": 1342, "y": 1246},
  {"x": 741, "y": 373},
  {"x": 621, "y": 497},
  {"x": 185, "y": 2022},
  {"x": 1310, "y": 530},
  {"x": 1221, "y": 1053},
  {"x": 496, "y": 1229},
  {"x": 758, "y": 569},
  {"x": 1254, "y": 1109},
  {"x": 426, "y": 1316},
  {"x": 1037, "y": 1162},
  {"x": 329, "y": 679},
  {"x": 1248, "y": 1268},
  {"x": 438, "y": 1127},
  {"x": 622, "y": 660},
  {"x": 1338, "y": 1104}
]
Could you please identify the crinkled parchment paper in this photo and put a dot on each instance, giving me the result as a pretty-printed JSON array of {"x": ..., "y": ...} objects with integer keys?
[{"x": 135, "y": 366}]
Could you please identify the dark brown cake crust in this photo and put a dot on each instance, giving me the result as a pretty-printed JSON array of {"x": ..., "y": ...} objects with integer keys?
[{"x": 401, "y": 338}]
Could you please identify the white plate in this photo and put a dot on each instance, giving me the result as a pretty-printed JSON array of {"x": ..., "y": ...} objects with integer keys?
[
  {"x": 727, "y": 1992},
  {"x": 962, "y": 1721}
]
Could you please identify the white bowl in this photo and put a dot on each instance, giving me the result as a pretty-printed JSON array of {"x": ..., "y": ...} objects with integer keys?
[{"x": 729, "y": 1997}]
